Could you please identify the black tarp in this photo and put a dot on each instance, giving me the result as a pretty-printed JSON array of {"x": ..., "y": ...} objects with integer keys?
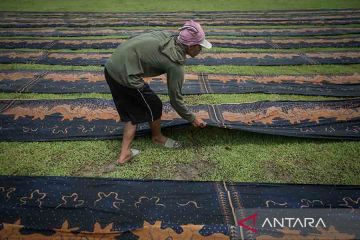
[
  {"x": 108, "y": 208},
  {"x": 33, "y": 81},
  {"x": 216, "y": 18},
  {"x": 112, "y": 43},
  {"x": 50, "y": 120},
  {"x": 236, "y": 32},
  {"x": 288, "y": 14},
  {"x": 209, "y": 59},
  {"x": 298, "y": 12},
  {"x": 168, "y": 22}
]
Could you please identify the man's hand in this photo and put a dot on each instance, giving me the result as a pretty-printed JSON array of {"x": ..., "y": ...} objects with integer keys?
[{"x": 198, "y": 122}]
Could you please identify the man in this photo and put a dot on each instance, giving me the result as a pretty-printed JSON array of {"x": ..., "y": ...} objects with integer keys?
[{"x": 148, "y": 55}]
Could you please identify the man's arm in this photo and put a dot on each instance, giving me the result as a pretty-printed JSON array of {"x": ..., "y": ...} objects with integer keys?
[{"x": 175, "y": 79}]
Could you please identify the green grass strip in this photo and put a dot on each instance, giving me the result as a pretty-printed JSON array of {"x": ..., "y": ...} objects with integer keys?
[
  {"x": 276, "y": 70},
  {"x": 48, "y": 67},
  {"x": 64, "y": 38},
  {"x": 212, "y": 50},
  {"x": 208, "y": 37},
  {"x": 225, "y": 69},
  {"x": 174, "y": 5},
  {"x": 293, "y": 50},
  {"x": 207, "y": 27},
  {"x": 189, "y": 99},
  {"x": 38, "y": 96},
  {"x": 208, "y": 154},
  {"x": 284, "y": 37}
]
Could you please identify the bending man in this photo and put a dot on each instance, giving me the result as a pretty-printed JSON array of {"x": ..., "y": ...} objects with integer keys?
[{"x": 149, "y": 55}]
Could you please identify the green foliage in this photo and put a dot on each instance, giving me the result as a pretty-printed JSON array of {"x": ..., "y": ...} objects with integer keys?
[
  {"x": 209, "y": 154},
  {"x": 171, "y": 5},
  {"x": 245, "y": 70},
  {"x": 189, "y": 99},
  {"x": 28, "y": 96},
  {"x": 275, "y": 70},
  {"x": 212, "y": 50},
  {"x": 272, "y": 50},
  {"x": 49, "y": 67}
]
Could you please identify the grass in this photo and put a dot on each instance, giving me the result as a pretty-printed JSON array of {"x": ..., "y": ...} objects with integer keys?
[
  {"x": 160, "y": 28},
  {"x": 49, "y": 67},
  {"x": 245, "y": 70},
  {"x": 208, "y": 37},
  {"x": 284, "y": 37},
  {"x": 63, "y": 38},
  {"x": 171, "y": 5},
  {"x": 272, "y": 50},
  {"x": 28, "y": 96},
  {"x": 210, "y": 154},
  {"x": 189, "y": 99},
  {"x": 271, "y": 70},
  {"x": 212, "y": 50}
]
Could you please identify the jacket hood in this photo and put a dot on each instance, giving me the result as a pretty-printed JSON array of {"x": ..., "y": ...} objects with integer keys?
[{"x": 173, "y": 50}]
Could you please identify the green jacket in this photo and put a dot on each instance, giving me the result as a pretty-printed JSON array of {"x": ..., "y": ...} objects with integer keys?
[{"x": 149, "y": 55}]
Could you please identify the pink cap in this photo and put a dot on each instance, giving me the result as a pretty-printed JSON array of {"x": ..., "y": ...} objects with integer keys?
[{"x": 193, "y": 34}]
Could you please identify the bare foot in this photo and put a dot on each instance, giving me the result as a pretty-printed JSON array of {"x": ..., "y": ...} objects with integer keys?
[
  {"x": 159, "y": 139},
  {"x": 166, "y": 142},
  {"x": 124, "y": 157},
  {"x": 127, "y": 156}
]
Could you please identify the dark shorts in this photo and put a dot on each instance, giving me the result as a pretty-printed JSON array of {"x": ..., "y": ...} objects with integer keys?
[{"x": 135, "y": 105}]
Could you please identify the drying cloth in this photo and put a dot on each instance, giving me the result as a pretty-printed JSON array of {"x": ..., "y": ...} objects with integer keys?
[
  {"x": 89, "y": 208},
  {"x": 236, "y": 32},
  {"x": 19, "y": 22},
  {"x": 112, "y": 43},
  {"x": 45, "y": 120},
  {"x": 209, "y": 59},
  {"x": 32, "y": 81}
]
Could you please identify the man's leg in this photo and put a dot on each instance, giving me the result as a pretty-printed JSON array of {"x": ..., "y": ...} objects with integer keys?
[
  {"x": 128, "y": 137},
  {"x": 156, "y": 135}
]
